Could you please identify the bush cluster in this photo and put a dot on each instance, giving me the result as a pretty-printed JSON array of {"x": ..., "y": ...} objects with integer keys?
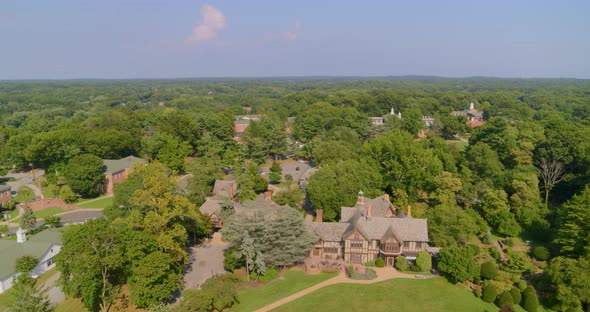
[
  {"x": 541, "y": 253},
  {"x": 489, "y": 270}
]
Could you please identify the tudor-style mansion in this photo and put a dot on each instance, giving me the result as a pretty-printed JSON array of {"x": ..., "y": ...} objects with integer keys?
[{"x": 372, "y": 228}]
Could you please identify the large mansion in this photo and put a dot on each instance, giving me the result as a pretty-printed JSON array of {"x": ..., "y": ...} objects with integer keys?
[{"x": 371, "y": 229}]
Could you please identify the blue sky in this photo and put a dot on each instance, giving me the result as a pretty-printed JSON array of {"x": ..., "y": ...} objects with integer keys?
[{"x": 180, "y": 38}]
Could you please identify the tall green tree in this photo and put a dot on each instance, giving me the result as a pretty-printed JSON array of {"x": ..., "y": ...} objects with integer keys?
[
  {"x": 573, "y": 234},
  {"x": 28, "y": 221},
  {"x": 92, "y": 262},
  {"x": 27, "y": 297},
  {"x": 458, "y": 262},
  {"x": 84, "y": 174}
]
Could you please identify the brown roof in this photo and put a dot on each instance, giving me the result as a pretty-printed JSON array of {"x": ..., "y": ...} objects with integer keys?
[
  {"x": 225, "y": 188},
  {"x": 327, "y": 231},
  {"x": 211, "y": 206}
]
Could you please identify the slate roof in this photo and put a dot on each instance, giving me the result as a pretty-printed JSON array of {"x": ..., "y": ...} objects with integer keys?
[
  {"x": 4, "y": 188},
  {"x": 36, "y": 247},
  {"x": 329, "y": 232},
  {"x": 116, "y": 165},
  {"x": 374, "y": 227},
  {"x": 225, "y": 188},
  {"x": 211, "y": 206}
]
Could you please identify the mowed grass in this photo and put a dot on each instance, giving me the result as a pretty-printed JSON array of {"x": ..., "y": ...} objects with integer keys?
[
  {"x": 70, "y": 304},
  {"x": 291, "y": 282},
  {"x": 457, "y": 144},
  {"x": 99, "y": 203},
  {"x": 435, "y": 294},
  {"x": 6, "y": 299},
  {"x": 41, "y": 214}
]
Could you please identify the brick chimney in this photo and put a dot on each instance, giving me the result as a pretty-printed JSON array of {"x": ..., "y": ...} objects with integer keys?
[
  {"x": 267, "y": 195},
  {"x": 409, "y": 214},
  {"x": 360, "y": 200},
  {"x": 319, "y": 215},
  {"x": 386, "y": 196},
  {"x": 369, "y": 212}
]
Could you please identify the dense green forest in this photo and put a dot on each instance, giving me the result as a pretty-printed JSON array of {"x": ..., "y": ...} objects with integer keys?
[{"x": 525, "y": 173}]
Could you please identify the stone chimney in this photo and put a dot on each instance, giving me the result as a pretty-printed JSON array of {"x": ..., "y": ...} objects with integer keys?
[
  {"x": 386, "y": 196},
  {"x": 369, "y": 212},
  {"x": 267, "y": 195},
  {"x": 360, "y": 200},
  {"x": 319, "y": 215},
  {"x": 409, "y": 214}
]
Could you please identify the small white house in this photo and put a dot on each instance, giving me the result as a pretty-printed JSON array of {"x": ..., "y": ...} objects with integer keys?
[{"x": 43, "y": 246}]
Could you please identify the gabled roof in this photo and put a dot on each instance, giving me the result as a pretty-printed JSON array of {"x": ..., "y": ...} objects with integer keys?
[
  {"x": 211, "y": 206},
  {"x": 116, "y": 165},
  {"x": 36, "y": 247},
  {"x": 328, "y": 232}
]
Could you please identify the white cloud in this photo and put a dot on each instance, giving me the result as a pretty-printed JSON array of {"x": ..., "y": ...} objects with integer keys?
[
  {"x": 212, "y": 21},
  {"x": 292, "y": 35}
]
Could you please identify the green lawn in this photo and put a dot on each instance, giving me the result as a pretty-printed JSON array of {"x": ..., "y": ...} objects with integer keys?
[
  {"x": 70, "y": 304},
  {"x": 291, "y": 282},
  {"x": 435, "y": 294},
  {"x": 99, "y": 203},
  {"x": 43, "y": 213},
  {"x": 458, "y": 144},
  {"x": 6, "y": 299}
]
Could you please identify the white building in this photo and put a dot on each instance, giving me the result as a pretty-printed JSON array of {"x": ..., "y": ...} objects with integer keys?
[{"x": 43, "y": 246}]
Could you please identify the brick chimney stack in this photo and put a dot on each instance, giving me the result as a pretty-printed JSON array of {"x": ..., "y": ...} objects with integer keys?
[
  {"x": 386, "y": 196},
  {"x": 319, "y": 215},
  {"x": 369, "y": 212},
  {"x": 409, "y": 214},
  {"x": 267, "y": 195}
]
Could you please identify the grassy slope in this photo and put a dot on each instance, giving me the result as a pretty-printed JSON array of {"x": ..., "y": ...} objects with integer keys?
[
  {"x": 435, "y": 294},
  {"x": 99, "y": 203},
  {"x": 291, "y": 282}
]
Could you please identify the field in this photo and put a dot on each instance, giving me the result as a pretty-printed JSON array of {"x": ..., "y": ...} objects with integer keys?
[
  {"x": 98, "y": 203},
  {"x": 435, "y": 294},
  {"x": 289, "y": 283}
]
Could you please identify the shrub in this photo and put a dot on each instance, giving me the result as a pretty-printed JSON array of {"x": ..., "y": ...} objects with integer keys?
[
  {"x": 474, "y": 248},
  {"x": 489, "y": 293},
  {"x": 508, "y": 308},
  {"x": 541, "y": 253},
  {"x": 489, "y": 270},
  {"x": 269, "y": 275},
  {"x": 530, "y": 301},
  {"x": 350, "y": 271},
  {"x": 516, "y": 295},
  {"x": 487, "y": 238},
  {"x": 414, "y": 268},
  {"x": 521, "y": 285},
  {"x": 4, "y": 228},
  {"x": 52, "y": 221},
  {"x": 370, "y": 263},
  {"x": 504, "y": 299},
  {"x": 478, "y": 292},
  {"x": 424, "y": 261},
  {"x": 401, "y": 263},
  {"x": 509, "y": 242},
  {"x": 25, "y": 264},
  {"x": 495, "y": 253},
  {"x": 231, "y": 261},
  {"x": 379, "y": 262}
]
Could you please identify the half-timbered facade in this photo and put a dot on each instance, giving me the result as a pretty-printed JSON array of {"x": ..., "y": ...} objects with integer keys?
[{"x": 373, "y": 228}]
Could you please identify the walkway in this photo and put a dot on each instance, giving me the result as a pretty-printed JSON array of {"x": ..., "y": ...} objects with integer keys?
[
  {"x": 383, "y": 274},
  {"x": 206, "y": 260}
]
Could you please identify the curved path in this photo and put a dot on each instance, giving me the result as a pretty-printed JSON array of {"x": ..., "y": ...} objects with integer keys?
[{"x": 383, "y": 274}]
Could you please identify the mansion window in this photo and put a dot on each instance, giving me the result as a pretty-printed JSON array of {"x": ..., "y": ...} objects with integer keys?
[
  {"x": 418, "y": 245},
  {"x": 391, "y": 247},
  {"x": 355, "y": 258},
  {"x": 331, "y": 250},
  {"x": 356, "y": 244},
  {"x": 406, "y": 244}
]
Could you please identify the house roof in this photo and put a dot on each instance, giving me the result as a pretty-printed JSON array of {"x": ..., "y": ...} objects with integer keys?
[
  {"x": 4, "y": 188},
  {"x": 211, "y": 206},
  {"x": 116, "y": 165},
  {"x": 36, "y": 247},
  {"x": 374, "y": 227},
  {"x": 224, "y": 188},
  {"x": 328, "y": 232}
]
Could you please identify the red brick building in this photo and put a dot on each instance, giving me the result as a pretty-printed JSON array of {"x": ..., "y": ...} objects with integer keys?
[
  {"x": 5, "y": 194},
  {"x": 117, "y": 170}
]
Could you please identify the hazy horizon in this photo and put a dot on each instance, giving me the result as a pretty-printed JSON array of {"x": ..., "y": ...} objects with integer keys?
[{"x": 156, "y": 39}]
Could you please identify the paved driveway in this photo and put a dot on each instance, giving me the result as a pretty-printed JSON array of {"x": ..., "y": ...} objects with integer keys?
[
  {"x": 206, "y": 260},
  {"x": 25, "y": 178}
]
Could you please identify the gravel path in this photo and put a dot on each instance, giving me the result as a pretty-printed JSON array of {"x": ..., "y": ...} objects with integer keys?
[{"x": 54, "y": 293}]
